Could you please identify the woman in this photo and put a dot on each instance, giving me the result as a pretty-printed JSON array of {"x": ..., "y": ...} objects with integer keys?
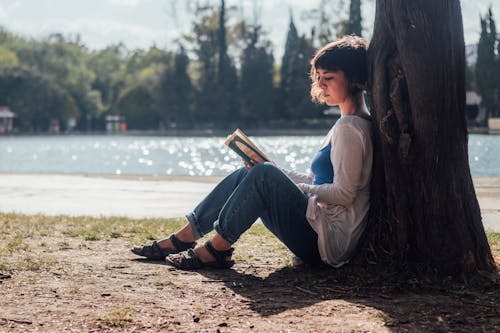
[{"x": 319, "y": 217}]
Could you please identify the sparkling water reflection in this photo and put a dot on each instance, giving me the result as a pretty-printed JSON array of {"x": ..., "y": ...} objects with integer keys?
[{"x": 181, "y": 155}]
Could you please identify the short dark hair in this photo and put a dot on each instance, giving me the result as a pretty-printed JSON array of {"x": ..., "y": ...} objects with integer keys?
[{"x": 347, "y": 54}]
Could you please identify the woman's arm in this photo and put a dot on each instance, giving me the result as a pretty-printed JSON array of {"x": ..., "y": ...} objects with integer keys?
[
  {"x": 298, "y": 177},
  {"x": 347, "y": 160}
]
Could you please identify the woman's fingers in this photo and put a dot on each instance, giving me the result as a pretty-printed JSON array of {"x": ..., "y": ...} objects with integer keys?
[{"x": 249, "y": 165}]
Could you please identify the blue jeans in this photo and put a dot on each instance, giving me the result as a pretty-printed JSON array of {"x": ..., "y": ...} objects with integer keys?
[{"x": 263, "y": 191}]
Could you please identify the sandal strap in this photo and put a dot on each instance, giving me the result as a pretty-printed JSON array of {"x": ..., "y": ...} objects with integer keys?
[
  {"x": 180, "y": 245},
  {"x": 153, "y": 250},
  {"x": 220, "y": 256},
  {"x": 190, "y": 260}
]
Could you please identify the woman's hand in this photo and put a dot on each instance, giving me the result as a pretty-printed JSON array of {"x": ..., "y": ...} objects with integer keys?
[{"x": 248, "y": 166}]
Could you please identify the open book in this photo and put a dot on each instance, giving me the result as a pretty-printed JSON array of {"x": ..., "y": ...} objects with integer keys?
[{"x": 245, "y": 148}]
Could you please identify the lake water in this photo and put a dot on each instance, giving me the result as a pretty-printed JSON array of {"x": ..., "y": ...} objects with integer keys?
[{"x": 150, "y": 155}]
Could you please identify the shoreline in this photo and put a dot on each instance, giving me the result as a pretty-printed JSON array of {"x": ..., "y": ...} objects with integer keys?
[
  {"x": 220, "y": 132},
  {"x": 480, "y": 181},
  {"x": 146, "y": 196}
]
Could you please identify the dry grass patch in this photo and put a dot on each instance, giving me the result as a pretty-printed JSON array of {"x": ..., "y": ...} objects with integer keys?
[
  {"x": 494, "y": 240},
  {"x": 119, "y": 317},
  {"x": 20, "y": 234}
]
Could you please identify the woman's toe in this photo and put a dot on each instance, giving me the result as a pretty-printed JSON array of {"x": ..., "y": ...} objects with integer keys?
[{"x": 176, "y": 258}]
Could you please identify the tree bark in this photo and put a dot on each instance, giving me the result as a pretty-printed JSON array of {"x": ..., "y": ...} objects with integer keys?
[{"x": 424, "y": 207}]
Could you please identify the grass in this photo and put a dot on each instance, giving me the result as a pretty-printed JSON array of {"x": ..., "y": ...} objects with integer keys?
[
  {"x": 118, "y": 317},
  {"x": 20, "y": 233},
  {"x": 17, "y": 228},
  {"x": 494, "y": 240}
]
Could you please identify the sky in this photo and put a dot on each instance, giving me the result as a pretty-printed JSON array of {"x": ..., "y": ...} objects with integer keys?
[{"x": 143, "y": 23}]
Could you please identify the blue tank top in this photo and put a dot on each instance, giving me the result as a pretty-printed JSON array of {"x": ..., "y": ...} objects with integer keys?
[{"x": 321, "y": 166}]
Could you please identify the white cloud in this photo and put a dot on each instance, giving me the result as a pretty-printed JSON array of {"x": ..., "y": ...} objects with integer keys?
[
  {"x": 130, "y": 3},
  {"x": 6, "y": 10},
  {"x": 100, "y": 33}
]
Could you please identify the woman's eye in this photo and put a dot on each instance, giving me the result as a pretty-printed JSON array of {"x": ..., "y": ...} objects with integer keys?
[{"x": 328, "y": 78}]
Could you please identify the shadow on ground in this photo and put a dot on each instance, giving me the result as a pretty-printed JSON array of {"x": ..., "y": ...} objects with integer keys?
[{"x": 407, "y": 305}]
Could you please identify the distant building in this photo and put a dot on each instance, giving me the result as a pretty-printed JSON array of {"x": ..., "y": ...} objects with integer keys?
[
  {"x": 115, "y": 124},
  {"x": 6, "y": 120},
  {"x": 70, "y": 124},
  {"x": 494, "y": 125},
  {"x": 54, "y": 126}
]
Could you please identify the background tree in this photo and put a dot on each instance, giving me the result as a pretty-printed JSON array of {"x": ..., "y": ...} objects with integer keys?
[
  {"x": 329, "y": 19},
  {"x": 8, "y": 58},
  {"x": 35, "y": 99},
  {"x": 325, "y": 26},
  {"x": 204, "y": 40},
  {"x": 354, "y": 23},
  {"x": 64, "y": 61},
  {"x": 217, "y": 82},
  {"x": 138, "y": 98},
  {"x": 256, "y": 85},
  {"x": 497, "y": 73},
  {"x": 227, "y": 78},
  {"x": 137, "y": 105},
  {"x": 108, "y": 65},
  {"x": 294, "y": 101},
  {"x": 424, "y": 208},
  {"x": 486, "y": 75},
  {"x": 176, "y": 93}
]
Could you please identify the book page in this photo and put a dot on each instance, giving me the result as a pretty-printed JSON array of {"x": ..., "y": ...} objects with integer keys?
[{"x": 245, "y": 148}]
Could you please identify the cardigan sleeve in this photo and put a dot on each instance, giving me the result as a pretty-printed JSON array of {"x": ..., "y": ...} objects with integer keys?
[
  {"x": 347, "y": 160},
  {"x": 298, "y": 177}
]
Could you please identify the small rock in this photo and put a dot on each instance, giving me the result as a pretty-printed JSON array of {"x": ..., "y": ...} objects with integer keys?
[{"x": 105, "y": 295}]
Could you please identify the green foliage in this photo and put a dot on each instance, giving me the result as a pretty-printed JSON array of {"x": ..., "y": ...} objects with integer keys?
[
  {"x": 470, "y": 77},
  {"x": 225, "y": 76},
  {"x": 8, "y": 58},
  {"x": 487, "y": 66},
  {"x": 35, "y": 98},
  {"x": 257, "y": 88},
  {"x": 227, "y": 105},
  {"x": 218, "y": 98},
  {"x": 138, "y": 107},
  {"x": 147, "y": 65},
  {"x": 65, "y": 62},
  {"x": 109, "y": 66},
  {"x": 294, "y": 99},
  {"x": 354, "y": 23},
  {"x": 176, "y": 94}
]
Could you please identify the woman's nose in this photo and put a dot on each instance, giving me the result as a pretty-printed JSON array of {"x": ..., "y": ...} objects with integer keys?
[{"x": 321, "y": 83}]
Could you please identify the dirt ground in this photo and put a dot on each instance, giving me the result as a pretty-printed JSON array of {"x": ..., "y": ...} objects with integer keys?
[{"x": 78, "y": 285}]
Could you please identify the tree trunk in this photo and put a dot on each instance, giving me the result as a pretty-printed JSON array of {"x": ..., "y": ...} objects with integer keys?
[{"x": 424, "y": 207}]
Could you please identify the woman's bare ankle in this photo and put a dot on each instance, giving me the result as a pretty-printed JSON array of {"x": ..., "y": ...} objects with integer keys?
[{"x": 220, "y": 244}]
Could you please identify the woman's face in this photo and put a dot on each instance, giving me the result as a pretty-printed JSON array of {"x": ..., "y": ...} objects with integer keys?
[{"x": 334, "y": 85}]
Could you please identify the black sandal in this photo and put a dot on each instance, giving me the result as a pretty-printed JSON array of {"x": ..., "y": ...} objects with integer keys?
[
  {"x": 189, "y": 260},
  {"x": 153, "y": 250}
]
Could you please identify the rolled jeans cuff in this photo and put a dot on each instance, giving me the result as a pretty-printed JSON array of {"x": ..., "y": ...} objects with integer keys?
[
  {"x": 195, "y": 225},
  {"x": 228, "y": 238}
]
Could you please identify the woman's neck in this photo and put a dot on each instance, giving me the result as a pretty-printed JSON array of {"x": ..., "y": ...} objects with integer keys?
[{"x": 354, "y": 106}]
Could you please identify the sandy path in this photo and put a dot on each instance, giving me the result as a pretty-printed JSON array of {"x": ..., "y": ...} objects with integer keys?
[{"x": 135, "y": 196}]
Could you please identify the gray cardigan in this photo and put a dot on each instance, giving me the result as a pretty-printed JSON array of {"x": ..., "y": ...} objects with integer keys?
[{"x": 338, "y": 211}]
